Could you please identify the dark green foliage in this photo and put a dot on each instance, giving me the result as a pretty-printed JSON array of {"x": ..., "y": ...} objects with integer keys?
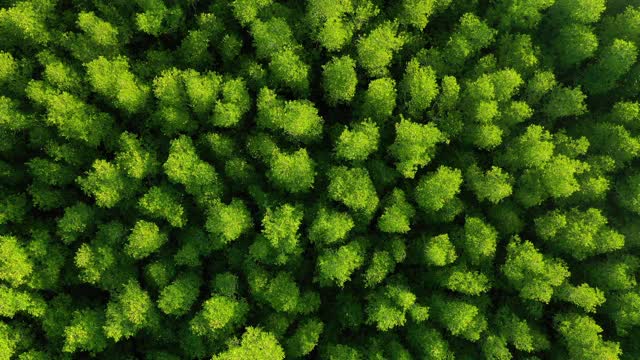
[{"x": 321, "y": 179}]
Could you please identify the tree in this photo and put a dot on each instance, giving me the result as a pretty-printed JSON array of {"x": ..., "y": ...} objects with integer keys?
[
  {"x": 178, "y": 297},
  {"x": 219, "y": 314},
  {"x": 613, "y": 62},
  {"x": 305, "y": 338},
  {"x": 353, "y": 187},
  {"x": 163, "y": 202},
  {"x": 479, "y": 241},
  {"x": 339, "y": 80},
  {"x": 76, "y": 221},
  {"x": 388, "y": 307},
  {"x": 459, "y": 317},
  {"x": 107, "y": 184},
  {"x": 414, "y": 146},
  {"x": 564, "y": 102},
  {"x": 294, "y": 172},
  {"x": 582, "y": 338},
  {"x": 227, "y": 223},
  {"x": 145, "y": 239},
  {"x": 280, "y": 237},
  {"x": 438, "y": 188},
  {"x": 183, "y": 166},
  {"x": 255, "y": 344},
  {"x": 297, "y": 119},
  {"x": 375, "y": 50},
  {"x": 580, "y": 43},
  {"x": 85, "y": 332},
  {"x": 438, "y": 250},
  {"x": 336, "y": 266},
  {"x": 379, "y": 100},
  {"x": 113, "y": 80},
  {"x": 15, "y": 265},
  {"x": 129, "y": 311},
  {"x": 419, "y": 88},
  {"x": 134, "y": 158},
  {"x": 357, "y": 144},
  {"x": 234, "y": 103},
  {"x": 416, "y": 12},
  {"x": 533, "y": 274},
  {"x": 579, "y": 234},
  {"x": 330, "y": 226},
  {"x": 397, "y": 215},
  {"x": 492, "y": 185}
]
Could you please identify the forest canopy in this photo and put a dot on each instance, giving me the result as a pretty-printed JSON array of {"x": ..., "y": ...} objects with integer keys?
[{"x": 321, "y": 179}]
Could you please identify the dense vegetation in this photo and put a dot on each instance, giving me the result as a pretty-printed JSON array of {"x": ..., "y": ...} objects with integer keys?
[{"x": 331, "y": 179}]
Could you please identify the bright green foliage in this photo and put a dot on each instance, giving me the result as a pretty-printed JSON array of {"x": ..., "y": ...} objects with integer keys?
[
  {"x": 218, "y": 314},
  {"x": 15, "y": 266},
  {"x": 227, "y": 223},
  {"x": 375, "y": 50},
  {"x": 331, "y": 179},
  {"x": 280, "y": 237},
  {"x": 480, "y": 240},
  {"x": 178, "y": 297},
  {"x": 293, "y": 172},
  {"x": 74, "y": 119},
  {"x": 289, "y": 71},
  {"x": 397, "y": 214},
  {"x": 297, "y": 118},
  {"x": 437, "y": 189},
  {"x": 613, "y": 62},
  {"x": 353, "y": 188},
  {"x": 245, "y": 11},
  {"x": 359, "y": 142},
  {"x": 305, "y": 339},
  {"x": 492, "y": 185},
  {"x": 85, "y": 332},
  {"x": 625, "y": 311},
  {"x": 130, "y": 310},
  {"x": 113, "y": 80},
  {"x": 575, "y": 44},
  {"x": 582, "y": 338},
  {"x": 583, "y": 295},
  {"x": 580, "y": 11},
  {"x": 336, "y": 266},
  {"x": 330, "y": 226},
  {"x": 339, "y": 80},
  {"x": 164, "y": 203},
  {"x": 145, "y": 239},
  {"x": 185, "y": 167},
  {"x": 471, "y": 36},
  {"x": 629, "y": 193},
  {"x": 134, "y": 159},
  {"x": 106, "y": 184},
  {"x": 577, "y": 233},
  {"x": 234, "y": 103},
  {"x": 438, "y": 250},
  {"x": 77, "y": 220},
  {"x": 379, "y": 101},
  {"x": 414, "y": 146},
  {"x": 534, "y": 275},
  {"x": 419, "y": 88},
  {"x": 256, "y": 344},
  {"x": 388, "y": 307},
  {"x": 460, "y": 318},
  {"x": 564, "y": 102},
  {"x": 416, "y": 12}
]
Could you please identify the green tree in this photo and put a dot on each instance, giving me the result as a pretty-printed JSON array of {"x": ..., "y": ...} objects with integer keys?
[
  {"x": 357, "y": 143},
  {"x": 339, "y": 80},
  {"x": 414, "y": 146},
  {"x": 418, "y": 87},
  {"x": 375, "y": 50},
  {"x": 255, "y": 344},
  {"x": 145, "y": 239},
  {"x": 438, "y": 188},
  {"x": 533, "y": 274}
]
